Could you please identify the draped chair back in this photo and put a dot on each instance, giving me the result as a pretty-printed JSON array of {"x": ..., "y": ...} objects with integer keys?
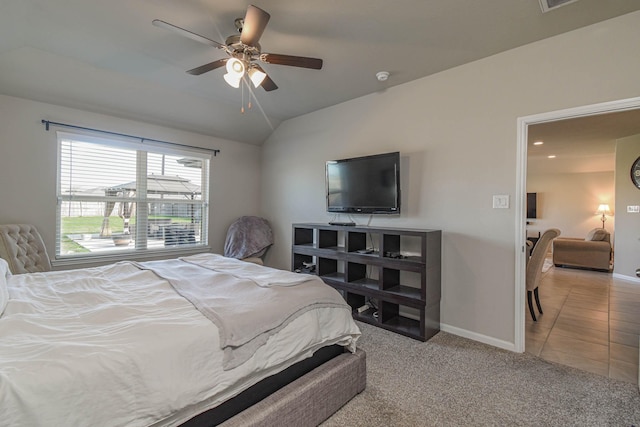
[{"x": 248, "y": 237}]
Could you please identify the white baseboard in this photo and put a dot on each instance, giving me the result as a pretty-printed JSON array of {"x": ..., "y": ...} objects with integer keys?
[
  {"x": 627, "y": 278},
  {"x": 478, "y": 337}
]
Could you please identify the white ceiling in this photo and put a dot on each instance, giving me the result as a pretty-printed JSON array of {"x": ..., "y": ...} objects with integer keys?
[
  {"x": 581, "y": 145},
  {"x": 106, "y": 56}
]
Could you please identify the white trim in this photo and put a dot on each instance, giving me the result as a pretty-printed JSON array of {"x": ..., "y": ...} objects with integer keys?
[
  {"x": 544, "y": 5},
  {"x": 521, "y": 179},
  {"x": 627, "y": 278},
  {"x": 521, "y": 235},
  {"x": 477, "y": 337},
  {"x": 79, "y": 261}
]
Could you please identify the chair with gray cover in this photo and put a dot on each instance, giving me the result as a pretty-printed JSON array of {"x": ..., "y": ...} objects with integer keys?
[
  {"x": 23, "y": 249},
  {"x": 534, "y": 268},
  {"x": 248, "y": 238}
]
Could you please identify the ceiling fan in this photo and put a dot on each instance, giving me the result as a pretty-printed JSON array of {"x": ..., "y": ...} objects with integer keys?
[{"x": 244, "y": 51}]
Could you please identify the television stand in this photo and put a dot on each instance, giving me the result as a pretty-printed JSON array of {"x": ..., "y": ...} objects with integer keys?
[
  {"x": 389, "y": 276},
  {"x": 345, "y": 223}
]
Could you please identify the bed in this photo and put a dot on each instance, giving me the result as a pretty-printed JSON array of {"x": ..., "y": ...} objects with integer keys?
[{"x": 124, "y": 345}]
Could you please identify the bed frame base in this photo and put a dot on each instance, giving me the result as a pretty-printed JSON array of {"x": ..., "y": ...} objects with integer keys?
[{"x": 311, "y": 399}]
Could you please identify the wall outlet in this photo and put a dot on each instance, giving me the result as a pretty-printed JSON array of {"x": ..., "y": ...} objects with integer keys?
[{"x": 633, "y": 209}]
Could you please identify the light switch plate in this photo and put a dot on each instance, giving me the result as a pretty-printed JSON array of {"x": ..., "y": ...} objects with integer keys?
[
  {"x": 633, "y": 209},
  {"x": 501, "y": 201}
]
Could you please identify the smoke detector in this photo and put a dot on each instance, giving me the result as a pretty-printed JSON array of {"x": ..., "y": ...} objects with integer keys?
[{"x": 382, "y": 75}]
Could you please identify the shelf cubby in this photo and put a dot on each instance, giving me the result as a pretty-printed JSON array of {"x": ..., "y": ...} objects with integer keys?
[
  {"x": 303, "y": 236},
  {"x": 298, "y": 260},
  {"x": 356, "y": 241}
]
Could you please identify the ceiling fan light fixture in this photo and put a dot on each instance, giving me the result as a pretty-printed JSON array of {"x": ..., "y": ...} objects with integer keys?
[
  {"x": 235, "y": 67},
  {"x": 256, "y": 76},
  {"x": 244, "y": 49},
  {"x": 232, "y": 80}
]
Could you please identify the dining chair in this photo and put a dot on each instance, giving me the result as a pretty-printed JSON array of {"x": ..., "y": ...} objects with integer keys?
[{"x": 534, "y": 268}]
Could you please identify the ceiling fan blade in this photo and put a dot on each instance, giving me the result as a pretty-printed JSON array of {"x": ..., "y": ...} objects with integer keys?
[
  {"x": 255, "y": 21},
  {"x": 208, "y": 67},
  {"x": 294, "y": 61},
  {"x": 267, "y": 84},
  {"x": 187, "y": 33}
]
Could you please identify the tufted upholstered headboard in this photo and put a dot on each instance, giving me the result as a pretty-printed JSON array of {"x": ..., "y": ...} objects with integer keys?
[{"x": 22, "y": 247}]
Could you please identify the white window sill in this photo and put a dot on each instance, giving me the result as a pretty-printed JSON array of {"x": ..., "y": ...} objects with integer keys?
[{"x": 70, "y": 262}]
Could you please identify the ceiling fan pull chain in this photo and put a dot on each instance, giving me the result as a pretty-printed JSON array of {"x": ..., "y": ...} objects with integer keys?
[
  {"x": 242, "y": 108},
  {"x": 244, "y": 81}
]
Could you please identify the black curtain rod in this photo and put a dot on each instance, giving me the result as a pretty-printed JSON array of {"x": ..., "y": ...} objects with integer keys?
[{"x": 48, "y": 123}]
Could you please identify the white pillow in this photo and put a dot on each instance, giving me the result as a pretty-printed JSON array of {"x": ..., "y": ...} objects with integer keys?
[{"x": 4, "y": 292}]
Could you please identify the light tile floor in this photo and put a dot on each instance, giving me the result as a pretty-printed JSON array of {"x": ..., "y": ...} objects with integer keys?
[{"x": 591, "y": 321}]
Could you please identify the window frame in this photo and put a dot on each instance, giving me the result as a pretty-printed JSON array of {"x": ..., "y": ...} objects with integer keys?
[{"x": 140, "y": 249}]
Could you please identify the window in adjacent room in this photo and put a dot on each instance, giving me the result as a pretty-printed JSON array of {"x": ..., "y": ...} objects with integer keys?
[{"x": 118, "y": 197}]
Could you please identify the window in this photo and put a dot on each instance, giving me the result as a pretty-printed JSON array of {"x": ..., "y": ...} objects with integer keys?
[{"x": 116, "y": 197}]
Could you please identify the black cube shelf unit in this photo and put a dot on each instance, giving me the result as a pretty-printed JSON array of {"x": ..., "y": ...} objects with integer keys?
[{"x": 389, "y": 276}]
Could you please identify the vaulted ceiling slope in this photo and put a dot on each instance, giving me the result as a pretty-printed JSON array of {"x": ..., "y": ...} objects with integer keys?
[{"x": 107, "y": 57}]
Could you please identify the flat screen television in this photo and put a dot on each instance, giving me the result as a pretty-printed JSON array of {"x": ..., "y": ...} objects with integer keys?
[
  {"x": 367, "y": 185},
  {"x": 532, "y": 208}
]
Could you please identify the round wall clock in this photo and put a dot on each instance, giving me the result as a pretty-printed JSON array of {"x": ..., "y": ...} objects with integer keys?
[{"x": 635, "y": 172}]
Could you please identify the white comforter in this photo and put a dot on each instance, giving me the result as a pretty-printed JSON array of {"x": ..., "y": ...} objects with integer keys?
[
  {"x": 117, "y": 346},
  {"x": 236, "y": 299}
]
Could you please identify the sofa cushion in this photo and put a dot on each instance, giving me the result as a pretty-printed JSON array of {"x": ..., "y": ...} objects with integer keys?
[{"x": 597, "y": 234}]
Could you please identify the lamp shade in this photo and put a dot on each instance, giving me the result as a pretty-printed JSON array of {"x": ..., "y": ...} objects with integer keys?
[
  {"x": 256, "y": 76},
  {"x": 603, "y": 209},
  {"x": 232, "y": 80},
  {"x": 235, "y": 66}
]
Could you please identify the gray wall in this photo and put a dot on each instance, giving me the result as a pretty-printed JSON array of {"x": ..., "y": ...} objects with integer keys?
[
  {"x": 28, "y": 166},
  {"x": 457, "y": 134},
  {"x": 627, "y": 237}
]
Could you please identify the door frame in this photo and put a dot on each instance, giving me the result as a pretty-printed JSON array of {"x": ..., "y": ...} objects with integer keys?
[{"x": 521, "y": 193}]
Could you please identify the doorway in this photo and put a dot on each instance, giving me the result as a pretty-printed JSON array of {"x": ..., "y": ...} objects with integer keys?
[{"x": 520, "y": 199}]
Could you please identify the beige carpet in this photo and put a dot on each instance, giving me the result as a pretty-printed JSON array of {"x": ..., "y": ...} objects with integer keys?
[{"x": 452, "y": 381}]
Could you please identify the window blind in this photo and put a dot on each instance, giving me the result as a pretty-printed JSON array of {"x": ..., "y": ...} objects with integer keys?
[{"x": 117, "y": 197}]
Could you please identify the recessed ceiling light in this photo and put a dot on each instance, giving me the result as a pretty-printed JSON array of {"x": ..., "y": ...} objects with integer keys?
[
  {"x": 538, "y": 143},
  {"x": 553, "y": 156}
]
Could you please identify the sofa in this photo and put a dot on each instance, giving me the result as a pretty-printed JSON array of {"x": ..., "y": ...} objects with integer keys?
[{"x": 593, "y": 251}]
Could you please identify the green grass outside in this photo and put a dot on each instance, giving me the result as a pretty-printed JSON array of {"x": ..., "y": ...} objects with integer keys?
[
  {"x": 89, "y": 224},
  {"x": 93, "y": 225}
]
